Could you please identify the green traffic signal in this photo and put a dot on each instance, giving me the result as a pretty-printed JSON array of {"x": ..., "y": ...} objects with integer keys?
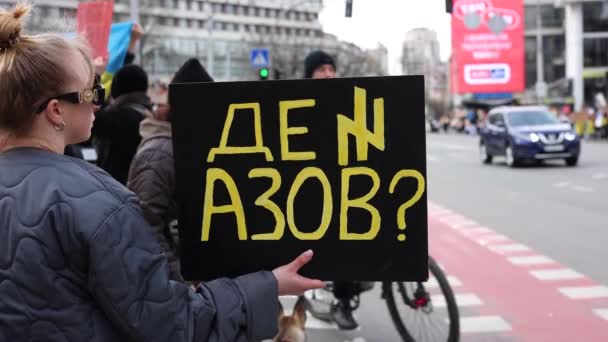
[{"x": 263, "y": 73}]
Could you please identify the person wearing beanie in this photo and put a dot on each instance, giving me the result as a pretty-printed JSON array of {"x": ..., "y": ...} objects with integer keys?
[
  {"x": 318, "y": 65},
  {"x": 115, "y": 133},
  {"x": 152, "y": 172}
]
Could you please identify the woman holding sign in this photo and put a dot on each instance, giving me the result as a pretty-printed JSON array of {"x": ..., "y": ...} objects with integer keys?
[{"x": 77, "y": 258}]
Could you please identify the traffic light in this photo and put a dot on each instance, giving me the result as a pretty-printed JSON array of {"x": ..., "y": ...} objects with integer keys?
[
  {"x": 263, "y": 73},
  {"x": 349, "y": 8}
]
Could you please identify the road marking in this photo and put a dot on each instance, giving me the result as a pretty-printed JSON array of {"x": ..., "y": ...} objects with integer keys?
[
  {"x": 558, "y": 274},
  {"x": 313, "y": 323},
  {"x": 584, "y": 292},
  {"x": 529, "y": 260},
  {"x": 476, "y": 231},
  {"x": 512, "y": 247},
  {"x": 561, "y": 184},
  {"x": 603, "y": 313},
  {"x": 433, "y": 283},
  {"x": 462, "y": 300},
  {"x": 463, "y": 224},
  {"x": 600, "y": 176},
  {"x": 454, "y": 147},
  {"x": 483, "y": 324},
  {"x": 492, "y": 238}
]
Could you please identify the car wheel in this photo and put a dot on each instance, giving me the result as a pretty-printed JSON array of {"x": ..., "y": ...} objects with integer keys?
[
  {"x": 572, "y": 161},
  {"x": 485, "y": 157},
  {"x": 510, "y": 159}
]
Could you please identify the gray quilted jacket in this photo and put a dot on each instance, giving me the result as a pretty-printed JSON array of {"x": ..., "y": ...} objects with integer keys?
[
  {"x": 78, "y": 263},
  {"x": 152, "y": 179}
]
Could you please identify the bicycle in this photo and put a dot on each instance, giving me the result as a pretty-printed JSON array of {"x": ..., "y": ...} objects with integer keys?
[{"x": 410, "y": 304}]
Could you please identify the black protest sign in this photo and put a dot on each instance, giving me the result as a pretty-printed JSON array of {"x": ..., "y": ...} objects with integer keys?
[{"x": 267, "y": 170}]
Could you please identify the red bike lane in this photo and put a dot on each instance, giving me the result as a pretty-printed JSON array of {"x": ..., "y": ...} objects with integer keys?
[{"x": 524, "y": 296}]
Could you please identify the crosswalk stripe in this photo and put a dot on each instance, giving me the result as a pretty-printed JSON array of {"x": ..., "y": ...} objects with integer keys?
[
  {"x": 557, "y": 274},
  {"x": 481, "y": 324},
  {"x": 513, "y": 247},
  {"x": 462, "y": 300},
  {"x": 530, "y": 260},
  {"x": 602, "y": 313},
  {"x": 432, "y": 283},
  {"x": 584, "y": 292}
]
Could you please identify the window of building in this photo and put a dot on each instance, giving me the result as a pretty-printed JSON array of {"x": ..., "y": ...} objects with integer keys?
[
  {"x": 224, "y": 8},
  {"x": 225, "y": 26},
  {"x": 235, "y": 27},
  {"x": 592, "y": 14},
  {"x": 201, "y": 24},
  {"x": 288, "y": 31},
  {"x": 246, "y": 10},
  {"x": 162, "y": 21},
  {"x": 175, "y": 4},
  {"x": 298, "y": 32},
  {"x": 277, "y": 30},
  {"x": 258, "y": 29},
  {"x": 256, "y": 11},
  {"x": 189, "y": 22},
  {"x": 551, "y": 16},
  {"x": 594, "y": 52},
  {"x": 176, "y": 22},
  {"x": 247, "y": 27},
  {"x": 267, "y": 12},
  {"x": 297, "y": 15}
]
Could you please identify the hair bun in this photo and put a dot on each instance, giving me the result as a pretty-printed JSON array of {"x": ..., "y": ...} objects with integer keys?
[{"x": 10, "y": 25}]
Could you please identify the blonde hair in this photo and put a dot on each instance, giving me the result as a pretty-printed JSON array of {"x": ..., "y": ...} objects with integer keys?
[{"x": 32, "y": 69}]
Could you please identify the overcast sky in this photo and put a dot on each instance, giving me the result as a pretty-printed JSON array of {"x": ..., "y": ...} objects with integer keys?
[{"x": 386, "y": 22}]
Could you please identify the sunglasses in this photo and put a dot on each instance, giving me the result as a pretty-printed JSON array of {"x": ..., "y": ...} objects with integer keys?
[{"x": 95, "y": 95}]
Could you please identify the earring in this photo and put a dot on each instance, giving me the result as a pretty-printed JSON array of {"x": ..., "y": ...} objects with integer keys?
[{"x": 60, "y": 127}]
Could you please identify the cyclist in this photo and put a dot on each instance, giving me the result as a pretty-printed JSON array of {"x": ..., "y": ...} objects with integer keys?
[{"x": 320, "y": 65}]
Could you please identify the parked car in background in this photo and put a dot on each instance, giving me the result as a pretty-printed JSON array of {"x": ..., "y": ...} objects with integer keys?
[{"x": 527, "y": 133}]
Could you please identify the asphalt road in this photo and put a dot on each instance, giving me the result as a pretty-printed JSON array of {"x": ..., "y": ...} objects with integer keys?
[{"x": 512, "y": 239}]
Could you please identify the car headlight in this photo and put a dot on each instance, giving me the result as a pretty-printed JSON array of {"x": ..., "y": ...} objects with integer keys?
[
  {"x": 570, "y": 136},
  {"x": 524, "y": 138},
  {"x": 534, "y": 137}
]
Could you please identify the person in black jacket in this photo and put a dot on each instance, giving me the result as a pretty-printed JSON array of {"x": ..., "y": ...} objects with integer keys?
[
  {"x": 116, "y": 127},
  {"x": 78, "y": 261}
]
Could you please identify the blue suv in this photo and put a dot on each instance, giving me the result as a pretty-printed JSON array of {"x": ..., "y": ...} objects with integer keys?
[{"x": 527, "y": 133}]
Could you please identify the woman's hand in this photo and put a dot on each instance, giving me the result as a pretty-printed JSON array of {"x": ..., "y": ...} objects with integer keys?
[{"x": 290, "y": 282}]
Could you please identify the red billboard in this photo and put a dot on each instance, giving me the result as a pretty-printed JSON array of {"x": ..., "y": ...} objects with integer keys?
[
  {"x": 488, "y": 46},
  {"x": 93, "y": 20}
]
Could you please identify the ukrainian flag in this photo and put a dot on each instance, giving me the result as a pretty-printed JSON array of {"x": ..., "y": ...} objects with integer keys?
[{"x": 118, "y": 44}]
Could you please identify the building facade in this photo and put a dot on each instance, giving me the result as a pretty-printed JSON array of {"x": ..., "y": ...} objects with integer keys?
[
  {"x": 221, "y": 33},
  {"x": 574, "y": 48},
  {"x": 420, "y": 56}
]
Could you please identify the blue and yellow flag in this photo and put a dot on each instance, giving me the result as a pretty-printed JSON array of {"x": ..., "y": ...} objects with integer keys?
[{"x": 118, "y": 44}]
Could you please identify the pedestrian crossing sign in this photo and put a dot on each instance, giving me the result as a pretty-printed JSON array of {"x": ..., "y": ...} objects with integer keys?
[{"x": 260, "y": 58}]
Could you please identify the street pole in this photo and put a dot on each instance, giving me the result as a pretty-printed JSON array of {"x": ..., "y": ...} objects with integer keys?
[
  {"x": 210, "y": 24},
  {"x": 540, "y": 70},
  {"x": 134, "y": 9}
]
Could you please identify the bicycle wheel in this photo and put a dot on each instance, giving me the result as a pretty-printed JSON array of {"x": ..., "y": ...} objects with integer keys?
[{"x": 424, "y": 311}]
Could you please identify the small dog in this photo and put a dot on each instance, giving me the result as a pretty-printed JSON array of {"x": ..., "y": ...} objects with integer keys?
[{"x": 291, "y": 328}]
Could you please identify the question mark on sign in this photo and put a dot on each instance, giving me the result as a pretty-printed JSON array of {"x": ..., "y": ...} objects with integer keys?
[{"x": 401, "y": 211}]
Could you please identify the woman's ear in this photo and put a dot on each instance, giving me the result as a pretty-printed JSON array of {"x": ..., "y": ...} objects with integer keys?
[{"x": 53, "y": 113}]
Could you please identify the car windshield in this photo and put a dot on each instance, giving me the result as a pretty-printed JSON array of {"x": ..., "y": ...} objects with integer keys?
[{"x": 531, "y": 118}]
